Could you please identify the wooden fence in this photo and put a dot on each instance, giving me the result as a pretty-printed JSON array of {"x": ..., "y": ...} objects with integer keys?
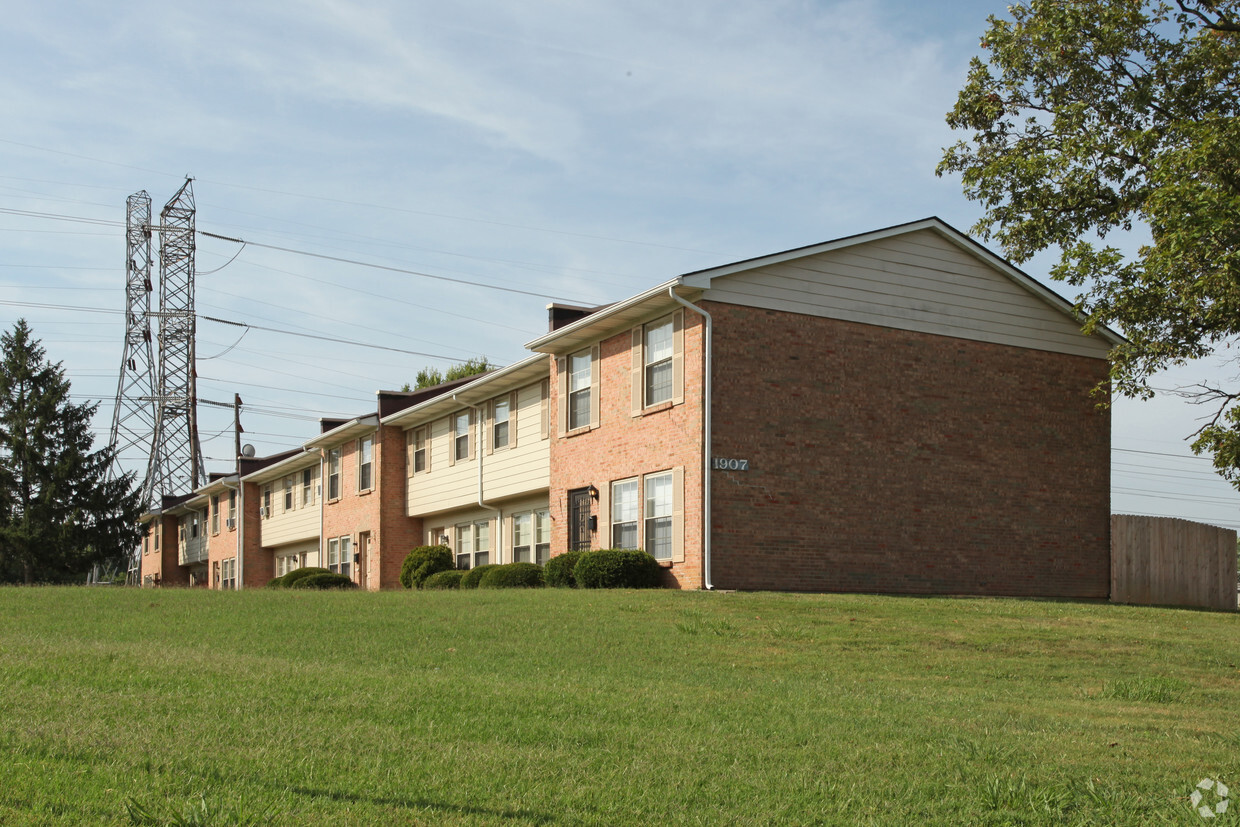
[{"x": 1168, "y": 562}]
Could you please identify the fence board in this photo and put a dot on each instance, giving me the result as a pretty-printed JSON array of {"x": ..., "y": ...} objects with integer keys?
[{"x": 1170, "y": 562}]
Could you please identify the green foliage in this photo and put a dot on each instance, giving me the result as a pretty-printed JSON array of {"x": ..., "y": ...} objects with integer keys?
[
  {"x": 428, "y": 377},
  {"x": 450, "y": 579},
  {"x": 474, "y": 575},
  {"x": 1092, "y": 118},
  {"x": 327, "y": 580},
  {"x": 617, "y": 568},
  {"x": 287, "y": 581},
  {"x": 59, "y": 511},
  {"x": 198, "y": 813},
  {"x": 559, "y": 569},
  {"x": 513, "y": 576},
  {"x": 422, "y": 562}
]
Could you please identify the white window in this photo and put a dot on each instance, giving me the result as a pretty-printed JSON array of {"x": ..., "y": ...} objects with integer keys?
[
  {"x": 659, "y": 515},
  {"x": 659, "y": 347},
  {"x": 333, "y": 474},
  {"x": 365, "y": 463},
  {"x": 523, "y": 538},
  {"x": 416, "y": 441},
  {"x": 542, "y": 537},
  {"x": 159, "y": 534},
  {"x": 499, "y": 427},
  {"x": 215, "y": 513},
  {"x": 194, "y": 525},
  {"x": 473, "y": 544},
  {"x": 307, "y": 487},
  {"x": 266, "y": 501},
  {"x": 624, "y": 514},
  {"x": 460, "y": 436},
  {"x": 232, "y": 507},
  {"x": 286, "y": 563},
  {"x": 288, "y": 493},
  {"x": 228, "y": 573},
  {"x": 340, "y": 555},
  {"x": 579, "y": 390}
]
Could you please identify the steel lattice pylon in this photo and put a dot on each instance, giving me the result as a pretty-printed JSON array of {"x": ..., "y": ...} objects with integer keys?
[
  {"x": 176, "y": 457},
  {"x": 133, "y": 417}
]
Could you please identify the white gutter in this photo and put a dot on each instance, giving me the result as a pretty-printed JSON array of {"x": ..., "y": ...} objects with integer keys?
[
  {"x": 706, "y": 516},
  {"x": 499, "y": 514}
]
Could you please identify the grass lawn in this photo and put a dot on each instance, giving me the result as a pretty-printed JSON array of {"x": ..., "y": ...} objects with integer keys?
[{"x": 121, "y": 706}]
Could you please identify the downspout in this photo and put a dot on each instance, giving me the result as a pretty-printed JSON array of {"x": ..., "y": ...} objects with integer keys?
[
  {"x": 322, "y": 498},
  {"x": 499, "y": 514},
  {"x": 706, "y": 515}
]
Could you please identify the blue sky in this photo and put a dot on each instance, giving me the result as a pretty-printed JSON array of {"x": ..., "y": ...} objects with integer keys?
[{"x": 578, "y": 151}]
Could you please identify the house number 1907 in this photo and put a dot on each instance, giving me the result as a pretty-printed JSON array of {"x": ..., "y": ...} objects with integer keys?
[{"x": 722, "y": 464}]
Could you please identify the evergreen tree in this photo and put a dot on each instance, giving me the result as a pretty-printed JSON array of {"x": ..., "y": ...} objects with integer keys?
[{"x": 59, "y": 511}]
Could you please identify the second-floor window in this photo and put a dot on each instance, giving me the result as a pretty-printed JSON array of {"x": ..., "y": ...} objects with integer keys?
[
  {"x": 288, "y": 493},
  {"x": 266, "y": 501},
  {"x": 215, "y": 513},
  {"x": 365, "y": 463},
  {"x": 419, "y": 451},
  {"x": 307, "y": 489},
  {"x": 333, "y": 474},
  {"x": 460, "y": 436},
  {"x": 232, "y": 507},
  {"x": 579, "y": 390},
  {"x": 658, "y": 352},
  {"x": 499, "y": 426}
]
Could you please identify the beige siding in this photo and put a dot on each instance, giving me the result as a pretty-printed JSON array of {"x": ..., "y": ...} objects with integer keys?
[
  {"x": 918, "y": 281},
  {"x": 523, "y": 468},
  {"x": 301, "y": 522}
]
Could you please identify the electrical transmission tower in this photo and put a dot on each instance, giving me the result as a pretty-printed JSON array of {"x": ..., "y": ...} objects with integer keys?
[
  {"x": 133, "y": 417},
  {"x": 176, "y": 465}
]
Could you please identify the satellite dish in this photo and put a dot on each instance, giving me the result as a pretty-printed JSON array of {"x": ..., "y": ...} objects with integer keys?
[{"x": 247, "y": 450}]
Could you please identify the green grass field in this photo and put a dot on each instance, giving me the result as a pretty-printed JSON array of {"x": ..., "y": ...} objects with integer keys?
[{"x": 122, "y": 706}]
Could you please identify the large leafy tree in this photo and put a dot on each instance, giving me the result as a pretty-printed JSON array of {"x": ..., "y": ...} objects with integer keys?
[
  {"x": 1090, "y": 117},
  {"x": 60, "y": 513}
]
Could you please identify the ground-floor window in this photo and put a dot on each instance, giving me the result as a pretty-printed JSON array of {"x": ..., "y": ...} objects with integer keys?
[
  {"x": 228, "y": 574},
  {"x": 642, "y": 512},
  {"x": 473, "y": 544},
  {"x": 659, "y": 515},
  {"x": 542, "y": 536},
  {"x": 340, "y": 555},
  {"x": 286, "y": 563},
  {"x": 624, "y": 514}
]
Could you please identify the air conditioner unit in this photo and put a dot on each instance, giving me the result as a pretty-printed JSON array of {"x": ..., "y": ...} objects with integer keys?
[
  {"x": 264, "y": 512},
  {"x": 230, "y": 523}
]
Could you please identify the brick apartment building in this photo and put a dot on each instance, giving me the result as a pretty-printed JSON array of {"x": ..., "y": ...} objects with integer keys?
[{"x": 900, "y": 411}]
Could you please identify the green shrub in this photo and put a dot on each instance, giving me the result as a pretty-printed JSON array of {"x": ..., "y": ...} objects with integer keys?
[
  {"x": 325, "y": 580},
  {"x": 559, "y": 569},
  {"x": 286, "y": 581},
  {"x": 513, "y": 576},
  {"x": 450, "y": 579},
  {"x": 617, "y": 568},
  {"x": 275, "y": 583},
  {"x": 471, "y": 578},
  {"x": 422, "y": 562}
]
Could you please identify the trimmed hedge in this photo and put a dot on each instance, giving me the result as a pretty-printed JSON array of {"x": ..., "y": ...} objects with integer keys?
[
  {"x": 450, "y": 579},
  {"x": 422, "y": 562},
  {"x": 513, "y": 576},
  {"x": 286, "y": 581},
  {"x": 474, "y": 575},
  {"x": 327, "y": 580},
  {"x": 559, "y": 569},
  {"x": 617, "y": 568}
]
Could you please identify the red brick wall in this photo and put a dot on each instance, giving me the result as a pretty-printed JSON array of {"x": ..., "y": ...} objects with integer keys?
[
  {"x": 163, "y": 565},
  {"x": 381, "y": 511},
  {"x": 890, "y": 461},
  {"x": 258, "y": 563},
  {"x": 626, "y": 446}
]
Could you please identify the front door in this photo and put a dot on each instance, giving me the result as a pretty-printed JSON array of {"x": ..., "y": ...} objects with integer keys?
[
  {"x": 363, "y": 557},
  {"x": 579, "y": 519}
]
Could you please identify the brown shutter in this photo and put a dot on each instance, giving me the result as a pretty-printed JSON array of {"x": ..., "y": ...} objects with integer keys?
[
  {"x": 475, "y": 427},
  {"x": 595, "y": 389},
  {"x": 512, "y": 418},
  {"x": 488, "y": 418},
  {"x": 544, "y": 394},
  {"x": 636, "y": 373},
  {"x": 678, "y": 357},
  {"x": 561, "y": 401},
  {"x": 678, "y": 514}
]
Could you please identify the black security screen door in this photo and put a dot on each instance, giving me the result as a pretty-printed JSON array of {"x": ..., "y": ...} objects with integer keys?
[{"x": 579, "y": 520}]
